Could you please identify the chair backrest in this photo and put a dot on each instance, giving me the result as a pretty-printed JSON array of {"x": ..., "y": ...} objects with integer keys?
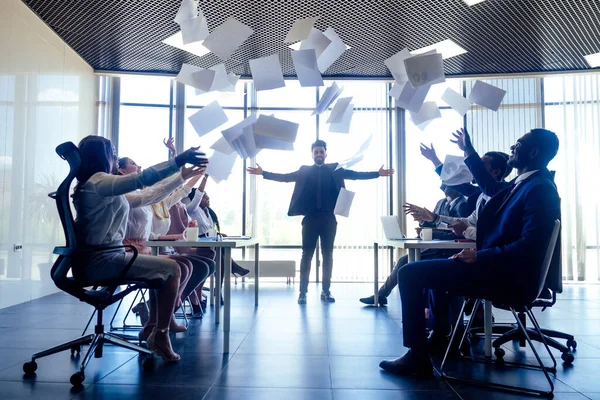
[
  {"x": 59, "y": 273},
  {"x": 550, "y": 258}
]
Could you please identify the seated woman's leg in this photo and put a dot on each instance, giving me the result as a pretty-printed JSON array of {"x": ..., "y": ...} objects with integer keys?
[{"x": 202, "y": 270}]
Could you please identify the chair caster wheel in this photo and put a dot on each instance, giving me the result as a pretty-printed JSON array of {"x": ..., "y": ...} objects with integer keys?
[
  {"x": 30, "y": 367},
  {"x": 572, "y": 344},
  {"x": 75, "y": 349},
  {"x": 77, "y": 378},
  {"x": 568, "y": 358},
  {"x": 499, "y": 353},
  {"x": 148, "y": 363}
]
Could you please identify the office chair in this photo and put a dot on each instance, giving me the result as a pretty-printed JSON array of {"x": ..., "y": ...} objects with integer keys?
[
  {"x": 521, "y": 302},
  {"x": 100, "y": 297}
]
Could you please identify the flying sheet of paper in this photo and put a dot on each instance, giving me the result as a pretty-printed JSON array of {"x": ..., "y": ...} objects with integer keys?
[
  {"x": 315, "y": 40},
  {"x": 300, "y": 30},
  {"x": 208, "y": 118},
  {"x": 344, "y": 202},
  {"x": 396, "y": 65},
  {"x": 266, "y": 142},
  {"x": 231, "y": 133},
  {"x": 486, "y": 95},
  {"x": 330, "y": 95},
  {"x": 428, "y": 111},
  {"x": 356, "y": 158},
  {"x": 203, "y": 80},
  {"x": 276, "y": 128},
  {"x": 344, "y": 125},
  {"x": 186, "y": 73},
  {"x": 187, "y": 10},
  {"x": 332, "y": 52},
  {"x": 233, "y": 80},
  {"x": 196, "y": 48},
  {"x": 425, "y": 70},
  {"x": 411, "y": 98},
  {"x": 338, "y": 111},
  {"x": 455, "y": 171},
  {"x": 227, "y": 38},
  {"x": 222, "y": 146},
  {"x": 245, "y": 144},
  {"x": 220, "y": 166},
  {"x": 194, "y": 29},
  {"x": 456, "y": 101},
  {"x": 307, "y": 70},
  {"x": 266, "y": 73}
]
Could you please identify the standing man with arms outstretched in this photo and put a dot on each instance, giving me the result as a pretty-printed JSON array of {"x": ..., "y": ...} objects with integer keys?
[{"x": 315, "y": 194}]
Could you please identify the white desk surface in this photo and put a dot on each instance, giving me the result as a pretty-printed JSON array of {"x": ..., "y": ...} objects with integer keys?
[{"x": 426, "y": 244}]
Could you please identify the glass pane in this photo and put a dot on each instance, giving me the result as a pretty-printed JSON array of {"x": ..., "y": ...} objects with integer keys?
[
  {"x": 292, "y": 95},
  {"x": 225, "y": 99},
  {"x": 141, "y": 134},
  {"x": 145, "y": 89}
]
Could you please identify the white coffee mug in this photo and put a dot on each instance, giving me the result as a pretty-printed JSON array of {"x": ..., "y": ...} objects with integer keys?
[
  {"x": 191, "y": 234},
  {"x": 427, "y": 234}
]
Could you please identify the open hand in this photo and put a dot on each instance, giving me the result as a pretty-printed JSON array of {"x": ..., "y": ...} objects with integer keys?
[
  {"x": 170, "y": 144},
  {"x": 430, "y": 154},
  {"x": 468, "y": 256},
  {"x": 463, "y": 141},
  {"x": 386, "y": 172},
  {"x": 458, "y": 228},
  {"x": 193, "y": 174},
  {"x": 191, "y": 156},
  {"x": 420, "y": 214},
  {"x": 255, "y": 171}
]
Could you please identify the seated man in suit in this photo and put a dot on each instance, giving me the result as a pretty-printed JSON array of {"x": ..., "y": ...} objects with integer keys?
[
  {"x": 512, "y": 234},
  {"x": 453, "y": 205}
]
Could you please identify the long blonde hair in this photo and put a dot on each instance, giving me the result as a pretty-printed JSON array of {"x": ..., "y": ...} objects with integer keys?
[{"x": 160, "y": 210}]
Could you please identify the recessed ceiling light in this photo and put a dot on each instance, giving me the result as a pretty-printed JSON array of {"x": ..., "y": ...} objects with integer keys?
[
  {"x": 593, "y": 60},
  {"x": 473, "y": 2},
  {"x": 195, "y": 48},
  {"x": 447, "y": 48}
]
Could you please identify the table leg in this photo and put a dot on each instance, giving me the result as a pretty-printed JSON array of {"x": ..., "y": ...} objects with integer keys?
[
  {"x": 256, "y": 274},
  {"x": 211, "y": 294},
  {"x": 154, "y": 250},
  {"x": 218, "y": 287},
  {"x": 411, "y": 255},
  {"x": 417, "y": 254},
  {"x": 487, "y": 326},
  {"x": 227, "y": 297},
  {"x": 375, "y": 273}
]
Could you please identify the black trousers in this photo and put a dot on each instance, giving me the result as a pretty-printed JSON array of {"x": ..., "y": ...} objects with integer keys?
[
  {"x": 447, "y": 278},
  {"x": 314, "y": 227}
]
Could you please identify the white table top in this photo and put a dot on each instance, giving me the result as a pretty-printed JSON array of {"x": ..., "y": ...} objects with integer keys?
[
  {"x": 226, "y": 242},
  {"x": 426, "y": 244}
]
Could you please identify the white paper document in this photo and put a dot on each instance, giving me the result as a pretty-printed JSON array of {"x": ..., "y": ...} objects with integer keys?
[
  {"x": 456, "y": 101},
  {"x": 266, "y": 142},
  {"x": 266, "y": 73},
  {"x": 203, "y": 80},
  {"x": 187, "y": 10},
  {"x": 327, "y": 99},
  {"x": 425, "y": 70},
  {"x": 276, "y": 128},
  {"x": 338, "y": 111},
  {"x": 411, "y": 98},
  {"x": 300, "y": 30},
  {"x": 344, "y": 202},
  {"x": 222, "y": 146},
  {"x": 227, "y": 38},
  {"x": 455, "y": 171},
  {"x": 396, "y": 65},
  {"x": 315, "y": 40},
  {"x": 486, "y": 95},
  {"x": 356, "y": 158},
  {"x": 231, "y": 133},
  {"x": 307, "y": 70},
  {"x": 186, "y": 73},
  {"x": 427, "y": 112},
  {"x": 333, "y": 51},
  {"x": 196, "y": 48},
  {"x": 245, "y": 144},
  {"x": 344, "y": 125},
  {"x": 220, "y": 166},
  {"x": 208, "y": 118},
  {"x": 194, "y": 29}
]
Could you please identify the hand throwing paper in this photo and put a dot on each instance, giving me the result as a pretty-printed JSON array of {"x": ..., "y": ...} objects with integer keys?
[
  {"x": 208, "y": 118},
  {"x": 227, "y": 38},
  {"x": 266, "y": 73},
  {"x": 344, "y": 202},
  {"x": 455, "y": 171},
  {"x": 486, "y": 95}
]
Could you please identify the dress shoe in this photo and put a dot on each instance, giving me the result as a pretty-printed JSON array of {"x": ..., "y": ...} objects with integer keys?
[
  {"x": 409, "y": 364},
  {"x": 327, "y": 297},
  {"x": 371, "y": 300},
  {"x": 302, "y": 298}
]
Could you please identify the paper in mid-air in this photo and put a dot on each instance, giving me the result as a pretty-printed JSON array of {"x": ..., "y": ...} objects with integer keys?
[
  {"x": 227, "y": 38},
  {"x": 266, "y": 73}
]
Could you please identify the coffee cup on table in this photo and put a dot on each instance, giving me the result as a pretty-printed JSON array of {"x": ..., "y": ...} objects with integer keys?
[
  {"x": 427, "y": 234},
  {"x": 191, "y": 234}
]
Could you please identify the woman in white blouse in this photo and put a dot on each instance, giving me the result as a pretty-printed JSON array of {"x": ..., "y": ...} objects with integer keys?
[{"x": 102, "y": 212}]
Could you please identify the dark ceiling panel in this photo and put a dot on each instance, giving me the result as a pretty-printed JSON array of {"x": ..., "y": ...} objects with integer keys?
[{"x": 501, "y": 36}]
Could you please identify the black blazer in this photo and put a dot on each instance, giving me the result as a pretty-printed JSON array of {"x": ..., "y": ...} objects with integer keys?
[{"x": 301, "y": 175}]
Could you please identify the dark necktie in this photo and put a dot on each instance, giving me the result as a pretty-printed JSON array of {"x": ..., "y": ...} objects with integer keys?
[
  {"x": 319, "y": 189},
  {"x": 481, "y": 205}
]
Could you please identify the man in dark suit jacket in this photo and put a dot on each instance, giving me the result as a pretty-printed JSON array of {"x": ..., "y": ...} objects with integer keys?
[
  {"x": 512, "y": 234},
  {"x": 315, "y": 195}
]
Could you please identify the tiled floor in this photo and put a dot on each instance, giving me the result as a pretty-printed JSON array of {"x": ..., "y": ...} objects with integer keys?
[{"x": 279, "y": 351}]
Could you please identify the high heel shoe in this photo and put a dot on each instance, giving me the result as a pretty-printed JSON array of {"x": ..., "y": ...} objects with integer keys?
[
  {"x": 162, "y": 350},
  {"x": 145, "y": 332},
  {"x": 239, "y": 271},
  {"x": 175, "y": 327}
]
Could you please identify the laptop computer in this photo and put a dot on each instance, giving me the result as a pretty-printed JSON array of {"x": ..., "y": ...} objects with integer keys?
[{"x": 391, "y": 227}]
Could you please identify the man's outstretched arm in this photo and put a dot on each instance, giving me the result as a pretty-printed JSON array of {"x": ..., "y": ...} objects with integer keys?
[
  {"x": 291, "y": 177},
  {"x": 355, "y": 175}
]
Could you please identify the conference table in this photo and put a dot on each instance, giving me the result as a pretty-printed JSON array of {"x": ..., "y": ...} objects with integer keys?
[
  {"x": 227, "y": 244},
  {"x": 414, "y": 247}
]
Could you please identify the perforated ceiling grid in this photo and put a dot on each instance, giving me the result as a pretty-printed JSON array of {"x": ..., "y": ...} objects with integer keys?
[{"x": 501, "y": 36}]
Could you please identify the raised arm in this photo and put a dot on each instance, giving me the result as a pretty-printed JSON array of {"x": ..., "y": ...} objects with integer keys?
[
  {"x": 155, "y": 193},
  {"x": 291, "y": 177},
  {"x": 355, "y": 175}
]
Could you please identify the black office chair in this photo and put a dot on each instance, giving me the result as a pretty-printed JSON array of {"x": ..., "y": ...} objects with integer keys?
[
  {"x": 518, "y": 303},
  {"x": 100, "y": 297}
]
